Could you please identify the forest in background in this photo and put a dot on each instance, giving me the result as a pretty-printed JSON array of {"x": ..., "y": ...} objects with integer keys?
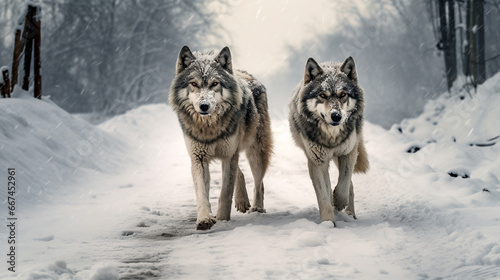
[
  {"x": 109, "y": 56},
  {"x": 394, "y": 45}
]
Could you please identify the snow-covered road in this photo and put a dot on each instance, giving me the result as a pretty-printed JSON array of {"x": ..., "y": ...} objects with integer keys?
[{"x": 134, "y": 218}]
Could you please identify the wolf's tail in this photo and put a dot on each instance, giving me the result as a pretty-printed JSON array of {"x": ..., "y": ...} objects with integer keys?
[{"x": 362, "y": 163}]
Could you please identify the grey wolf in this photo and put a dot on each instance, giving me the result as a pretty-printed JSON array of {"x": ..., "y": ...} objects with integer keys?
[
  {"x": 326, "y": 121},
  {"x": 222, "y": 112}
]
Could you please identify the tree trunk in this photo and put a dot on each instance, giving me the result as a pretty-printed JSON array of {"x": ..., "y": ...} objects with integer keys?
[
  {"x": 480, "y": 45},
  {"x": 37, "y": 65},
  {"x": 445, "y": 42},
  {"x": 452, "y": 44},
  {"x": 475, "y": 29},
  {"x": 468, "y": 44}
]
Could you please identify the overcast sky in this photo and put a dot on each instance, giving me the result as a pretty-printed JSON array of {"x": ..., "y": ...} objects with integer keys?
[{"x": 260, "y": 31}]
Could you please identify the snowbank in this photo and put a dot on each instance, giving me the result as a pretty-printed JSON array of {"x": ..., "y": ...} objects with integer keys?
[
  {"x": 50, "y": 149},
  {"x": 456, "y": 146}
]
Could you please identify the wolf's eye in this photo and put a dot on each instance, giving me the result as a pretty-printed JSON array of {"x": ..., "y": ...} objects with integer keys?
[
  {"x": 214, "y": 84},
  {"x": 342, "y": 94},
  {"x": 194, "y": 84},
  {"x": 322, "y": 95}
]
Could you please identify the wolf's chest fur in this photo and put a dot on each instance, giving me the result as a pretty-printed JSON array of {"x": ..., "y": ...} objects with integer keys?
[
  {"x": 210, "y": 129},
  {"x": 322, "y": 133},
  {"x": 323, "y": 142}
]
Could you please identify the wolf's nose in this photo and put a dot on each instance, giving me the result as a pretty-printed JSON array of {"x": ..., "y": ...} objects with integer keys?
[
  {"x": 204, "y": 107},
  {"x": 336, "y": 117}
]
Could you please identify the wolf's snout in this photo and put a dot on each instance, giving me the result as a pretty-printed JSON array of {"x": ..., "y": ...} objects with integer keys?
[
  {"x": 336, "y": 118},
  {"x": 204, "y": 107}
]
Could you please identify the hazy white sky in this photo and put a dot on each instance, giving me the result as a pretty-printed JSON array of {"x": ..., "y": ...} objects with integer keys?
[{"x": 261, "y": 31}]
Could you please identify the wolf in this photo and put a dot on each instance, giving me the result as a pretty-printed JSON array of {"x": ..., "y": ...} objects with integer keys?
[
  {"x": 222, "y": 112},
  {"x": 326, "y": 122}
]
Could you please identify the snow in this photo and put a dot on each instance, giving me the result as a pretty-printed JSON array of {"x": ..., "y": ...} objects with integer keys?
[
  {"x": 50, "y": 147},
  {"x": 474, "y": 29},
  {"x": 127, "y": 208}
]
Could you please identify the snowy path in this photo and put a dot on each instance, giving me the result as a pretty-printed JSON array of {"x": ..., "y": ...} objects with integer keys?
[{"x": 138, "y": 221}]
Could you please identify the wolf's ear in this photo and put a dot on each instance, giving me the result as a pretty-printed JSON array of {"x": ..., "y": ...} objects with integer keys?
[
  {"x": 186, "y": 57},
  {"x": 349, "y": 68},
  {"x": 224, "y": 59},
  {"x": 313, "y": 70}
]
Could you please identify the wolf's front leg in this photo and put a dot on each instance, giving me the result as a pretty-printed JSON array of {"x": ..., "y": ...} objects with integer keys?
[
  {"x": 201, "y": 178},
  {"x": 319, "y": 176},
  {"x": 350, "y": 208},
  {"x": 229, "y": 172},
  {"x": 341, "y": 193}
]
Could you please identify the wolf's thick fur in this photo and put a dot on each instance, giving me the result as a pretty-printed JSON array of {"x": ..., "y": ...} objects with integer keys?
[
  {"x": 221, "y": 112},
  {"x": 326, "y": 121}
]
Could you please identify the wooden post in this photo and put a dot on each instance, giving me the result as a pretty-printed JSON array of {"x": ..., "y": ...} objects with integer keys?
[
  {"x": 18, "y": 48},
  {"x": 6, "y": 88},
  {"x": 38, "y": 66},
  {"x": 28, "y": 48}
]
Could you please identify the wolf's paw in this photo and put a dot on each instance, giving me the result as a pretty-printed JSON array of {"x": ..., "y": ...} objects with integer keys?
[
  {"x": 257, "y": 209},
  {"x": 242, "y": 206},
  {"x": 351, "y": 213},
  {"x": 205, "y": 224},
  {"x": 328, "y": 221}
]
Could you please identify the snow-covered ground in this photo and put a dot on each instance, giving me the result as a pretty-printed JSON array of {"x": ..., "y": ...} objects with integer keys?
[{"x": 116, "y": 201}]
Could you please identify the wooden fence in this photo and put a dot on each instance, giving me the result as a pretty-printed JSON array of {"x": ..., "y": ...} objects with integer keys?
[{"x": 27, "y": 45}]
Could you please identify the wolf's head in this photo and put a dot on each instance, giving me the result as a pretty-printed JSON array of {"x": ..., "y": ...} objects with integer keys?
[
  {"x": 204, "y": 83},
  {"x": 330, "y": 91}
]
